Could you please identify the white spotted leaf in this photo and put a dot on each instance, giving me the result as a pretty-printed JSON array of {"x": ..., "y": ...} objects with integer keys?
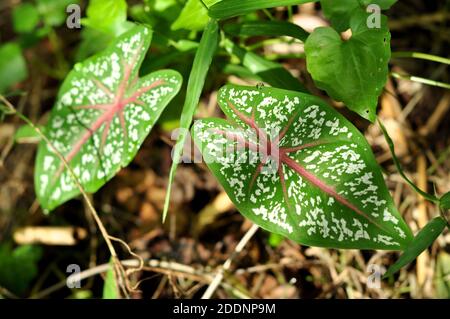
[
  {"x": 296, "y": 167},
  {"x": 103, "y": 113}
]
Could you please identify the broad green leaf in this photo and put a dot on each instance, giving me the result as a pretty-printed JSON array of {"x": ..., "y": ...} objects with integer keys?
[
  {"x": 18, "y": 267},
  {"x": 444, "y": 201},
  {"x": 202, "y": 62},
  {"x": 353, "y": 71},
  {"x": 267, "y": 28},
  {"x": 102, "y": 115},
  {"x": 296, "y": 167},
  {"x": 422, "y": 241},
  {"x": 13, "y": 68},
  {"x": 107, "y": 15},
  {"x": 231, "y": 8},
  {"x": 194, "y": 15},
  {"x": 25, "y": 18},
  {"x": 340, "y": 12},
  {"x": 271, "y": 72},
  {"x": 110, "y": 287},
  {"x": 390, "y": 143}
]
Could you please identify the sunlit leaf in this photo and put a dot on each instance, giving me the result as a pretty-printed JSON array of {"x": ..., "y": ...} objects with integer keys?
[
  {"x": 194, "y": 15},
  {"x": 296, "y": 167},
  {"x": 353, "y": 71},
  {"x": 107, "y": 15},
  {"x": 102, "y": 115}
]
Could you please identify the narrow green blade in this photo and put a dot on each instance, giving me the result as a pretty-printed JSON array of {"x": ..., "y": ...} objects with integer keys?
[{"x": 200, "y": 67}]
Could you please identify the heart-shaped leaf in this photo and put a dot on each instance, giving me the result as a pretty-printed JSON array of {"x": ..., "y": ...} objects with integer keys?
[
  {"x": 353, "y": 71},
  {"x": 296, "y": 167},
  {"x": 103, "y": 113}
]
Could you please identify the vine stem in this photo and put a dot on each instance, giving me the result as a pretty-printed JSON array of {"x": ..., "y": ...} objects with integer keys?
[
  {"x": 226, "y": 266},
  {"x": 118, "y": 268},
  {"x": 420, "y": 55},
  {"x": 420, "y": 80}
]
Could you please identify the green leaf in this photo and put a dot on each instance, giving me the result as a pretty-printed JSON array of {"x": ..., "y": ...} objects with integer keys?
[
  {"x": 267, "y": 28},
  {"x": 353, "y": 71},
  {"x": 18, "y": 267},
  {"x": 296, "y": 167},
  {"x": 388, "y": 139},
  {"x": 107, "y": 15},
  {"x": 110, "y": 287},
  {"x": 340, "y": 12},
  {"x": 444, "y": 201},
  {"x": 25, "y": 18},
  {"x": 202, "y": 61},
  {"x": 13, "y": 68},
  {"x": 103, "y": 113},
  {"x": 54, "y": 11},
  {"x": 194, "y": 15},
  {"x": 422, "y": 241},
  {"x": 231, "y": 8},
  {"x": 271, "y": 72}
]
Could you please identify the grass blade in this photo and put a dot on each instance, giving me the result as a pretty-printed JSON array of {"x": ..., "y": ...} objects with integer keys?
[
  {"x": 231, "y": 8},
  {"x": 267, "y": 28},
  {"x": 200, "y": 67},
  {"x": 271, "y": 72},
  {"x": 422, "y": 241}
]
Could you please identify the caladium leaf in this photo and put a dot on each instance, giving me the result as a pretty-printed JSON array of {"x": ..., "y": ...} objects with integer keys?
[
  {"x": 102, "y": 115},
  {"x": 296, "y": 167},
  {"x": 337, "y": 65}
]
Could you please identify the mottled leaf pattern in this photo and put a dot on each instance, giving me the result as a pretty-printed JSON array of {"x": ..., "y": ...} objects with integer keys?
[
  {"x": 296, "y": 167},
  {"x": 103, "y": 113}
]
